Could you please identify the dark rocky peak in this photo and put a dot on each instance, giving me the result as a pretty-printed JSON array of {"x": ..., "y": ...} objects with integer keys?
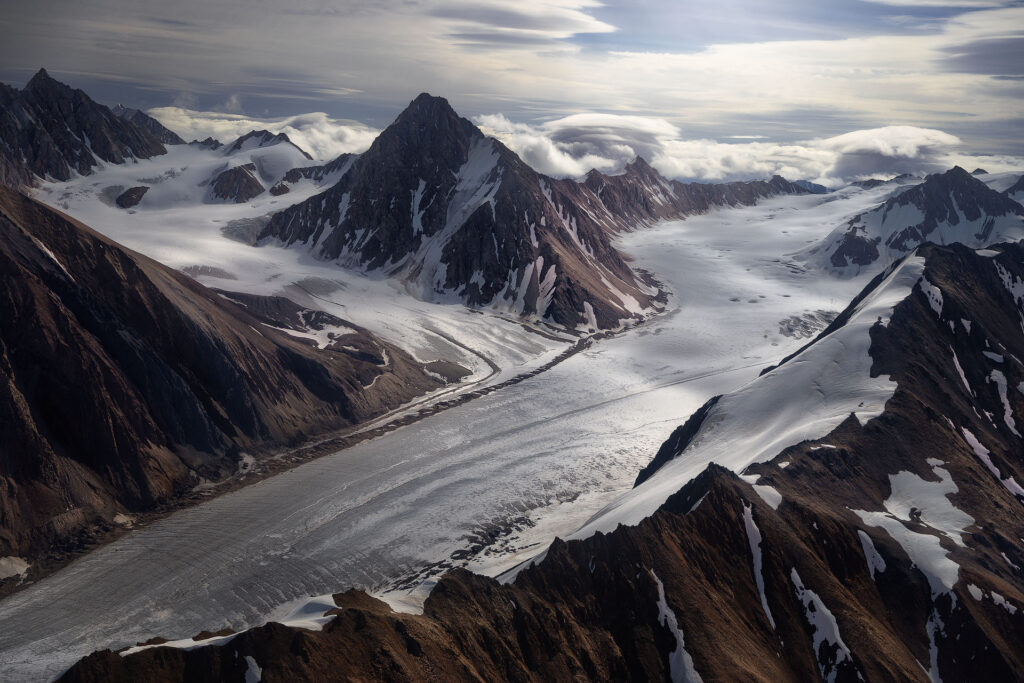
[
  {"x": 208, "y": 143},
  {"x": 263, "y": 138},
  {"x": 640, "y": 167},
  {"x": 875, "y": 182},
  {"x": 43, "y": 82},
  {"x": 428, "y": 132},
  {"x": 979, "y": 171},
  {"x": 51, "y": 130},
  {"x": 941, "y": 194}
]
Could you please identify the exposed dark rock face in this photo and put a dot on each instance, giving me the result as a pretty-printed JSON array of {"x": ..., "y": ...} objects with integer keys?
[
  {"x": 720, "y": 582},
  {"x": 979, "y": 171},
  {"x": 318, "y": 173},
  {"x": 280, "y": 189},
  {"x": 947, "y": 207},
  {"x": 813, "y": 188},
  {"x": 124, "y": 381},
  {"x": 238, "y": 184},
  {"x": 147, "y": 123},
  {"x": 49, "y": 130},
  {"x": 875, "y": 182},
  {"x": 208, "y": 143},
  {"x": 131, "y": 196},
  {"x": 678, "y": 441},
  {"x": 457, "y": 214}
]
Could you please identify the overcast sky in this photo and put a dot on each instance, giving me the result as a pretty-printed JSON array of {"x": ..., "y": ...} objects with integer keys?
[{"x": 715, "y": 89}]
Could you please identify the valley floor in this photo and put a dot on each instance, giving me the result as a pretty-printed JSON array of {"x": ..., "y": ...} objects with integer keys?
[{"x": 485, "y": 484}]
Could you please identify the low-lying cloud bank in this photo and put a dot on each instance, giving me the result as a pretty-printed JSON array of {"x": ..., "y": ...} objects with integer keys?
[
  {"x": 573, "y": 145},
  {"x": 317, "y": 133}
]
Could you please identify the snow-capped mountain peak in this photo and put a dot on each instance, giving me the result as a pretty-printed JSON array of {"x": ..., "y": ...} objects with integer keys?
[{"x": 946, "y": 208}]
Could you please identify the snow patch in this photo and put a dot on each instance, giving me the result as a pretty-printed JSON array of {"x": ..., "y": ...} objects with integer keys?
[
  {"x": 680, "y": 662},
  {"x": 768, "y": 494},
  {"x": 985, "y": 457},
  {"x": 754, "y": 538},
  {"x": 13, "y": 566},
  {"x": 912, "y": 501},
  {"x": 934, "y": 295},
  {"x": 960, "y": 371},
  {"x": 876, "y": 565},
  {"x": 253, "y": 672},
  {"x": 1000, "y": 380},
  {"x": 829, "y": 649}
]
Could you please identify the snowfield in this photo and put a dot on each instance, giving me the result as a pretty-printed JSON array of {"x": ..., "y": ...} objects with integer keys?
[{"x": 533, "y": 460}]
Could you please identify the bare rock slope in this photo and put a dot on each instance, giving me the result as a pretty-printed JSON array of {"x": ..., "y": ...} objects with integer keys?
[{"x": 126, "y": 383}]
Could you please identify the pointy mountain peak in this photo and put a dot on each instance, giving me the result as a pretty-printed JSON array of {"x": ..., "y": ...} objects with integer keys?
[
  {"x": 427, "y": 131},
  {"x": 956, "y": 172},
  {"x": 428, "y": 112},
  {"x": 43, "y": 80},
  {"x": 639, "y": 165},
  {"x": 263, "y": 138}
]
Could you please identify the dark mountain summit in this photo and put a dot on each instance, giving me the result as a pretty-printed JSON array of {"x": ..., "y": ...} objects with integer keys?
[
  {"x": 126, "y": 383},
  {"x": 263, "y": 138},
  {"x": 49, "y": 130}
]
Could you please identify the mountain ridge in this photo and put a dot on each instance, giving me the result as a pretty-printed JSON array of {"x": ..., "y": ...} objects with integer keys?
[
  {"x": 850, "y": 556},
  {"x": 128, "y": 383},
  {"x": 50, "y": 130}
]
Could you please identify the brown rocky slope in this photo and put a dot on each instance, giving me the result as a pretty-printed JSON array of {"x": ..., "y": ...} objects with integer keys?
[
  {"x": 126, "y": 383},
  {"x": 724, "y": 584}
]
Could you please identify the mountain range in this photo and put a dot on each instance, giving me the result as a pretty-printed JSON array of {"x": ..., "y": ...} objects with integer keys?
[
  {"x": 888, "y": 549},
  {"x": 852, "y": 513},
  {"x": 49, "y": 130},
  {"x": 459, "y": 216},
  {"x": 949, "y": 207}
]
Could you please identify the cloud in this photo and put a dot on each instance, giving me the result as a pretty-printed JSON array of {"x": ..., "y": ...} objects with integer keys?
[
  {"x": 518, "y": 22},
  {"x": 966, "y": 4},
  {"x": 573, "y": 145},
  {"x": 317, "y": 133}
]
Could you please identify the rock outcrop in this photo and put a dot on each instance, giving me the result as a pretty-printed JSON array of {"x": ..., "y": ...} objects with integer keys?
[
  {"x": 238, "y": 184},
  {"x": 131, "y": 197}
]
